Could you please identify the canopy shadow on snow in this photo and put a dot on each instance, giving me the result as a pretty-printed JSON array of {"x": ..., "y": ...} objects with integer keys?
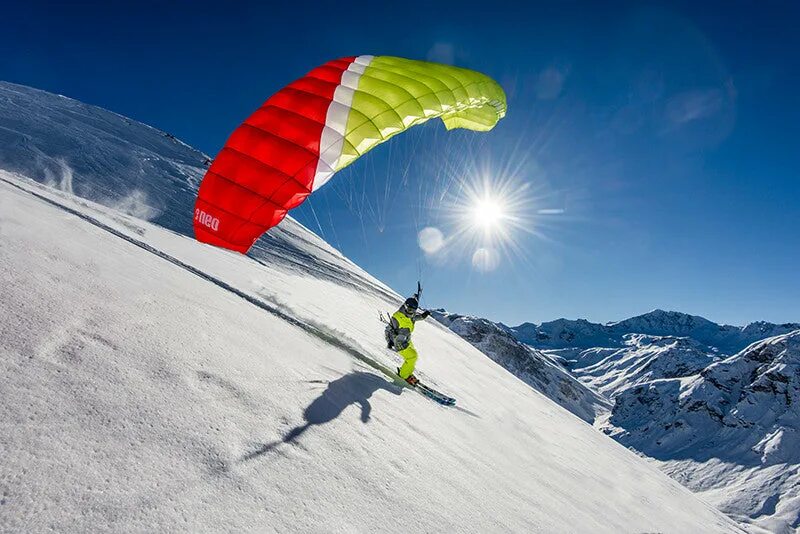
[{"x": 354, "y": 388}]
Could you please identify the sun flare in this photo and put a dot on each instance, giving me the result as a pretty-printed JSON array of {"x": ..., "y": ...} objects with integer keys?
[{"x": 488, "y": 213}]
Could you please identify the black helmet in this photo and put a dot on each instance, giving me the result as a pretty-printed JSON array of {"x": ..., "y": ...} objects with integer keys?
[{"x": 411, "y": 303}]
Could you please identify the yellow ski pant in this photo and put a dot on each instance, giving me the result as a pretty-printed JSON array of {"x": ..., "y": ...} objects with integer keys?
[{"x": 409, "y": 354}]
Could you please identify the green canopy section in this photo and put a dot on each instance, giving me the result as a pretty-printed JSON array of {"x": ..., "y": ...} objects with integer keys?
[{"x": 393, "y": 94}]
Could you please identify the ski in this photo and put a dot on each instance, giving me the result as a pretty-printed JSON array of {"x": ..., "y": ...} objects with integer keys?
[{"x": 434, "y": 395}]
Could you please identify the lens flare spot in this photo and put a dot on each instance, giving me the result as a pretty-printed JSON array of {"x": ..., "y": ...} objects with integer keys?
[
  {"x": 431, "y": 240},
  {"x": 485, "y": 259}
]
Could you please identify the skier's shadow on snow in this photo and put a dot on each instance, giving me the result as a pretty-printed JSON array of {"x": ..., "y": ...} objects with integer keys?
[{"x": 354, "y": 388}]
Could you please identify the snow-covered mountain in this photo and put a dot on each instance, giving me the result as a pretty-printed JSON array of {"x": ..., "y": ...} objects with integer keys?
[
  {"x": 726, "y": 427},
  {"x": 642, "y": 359},
  {"x": 98, "y": 155},
  {"x": 526, "y": 363},
  {"x": 150, "y": 382},
  {"x": 731, "y": 432},
  {"x": 564, "y": 333},
  {"x": 580, "y": 333}
]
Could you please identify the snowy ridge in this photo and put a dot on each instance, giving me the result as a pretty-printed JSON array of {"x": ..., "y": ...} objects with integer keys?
[
  {"x": 97, "y": 154},
  {"x": 134, "y": 168},
  {"x": 580, "y": 333},
  {"x": 644, "y": 358},
  {"x": 527, "y": 364}
]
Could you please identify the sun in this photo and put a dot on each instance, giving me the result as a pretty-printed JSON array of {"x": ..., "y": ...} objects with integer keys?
[{"x": 488, "y": 213}]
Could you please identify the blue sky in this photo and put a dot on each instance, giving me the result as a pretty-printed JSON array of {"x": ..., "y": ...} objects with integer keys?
[{"x": 664, "y": 136}]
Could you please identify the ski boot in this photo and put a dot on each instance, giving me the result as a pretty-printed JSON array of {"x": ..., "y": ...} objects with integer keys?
[{"x": 412, "y": 380}]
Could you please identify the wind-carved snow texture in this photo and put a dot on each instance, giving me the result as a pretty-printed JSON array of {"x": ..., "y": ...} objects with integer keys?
[
  {"x": 150, "y": 382},
  {"x": 528, "y": 364}
]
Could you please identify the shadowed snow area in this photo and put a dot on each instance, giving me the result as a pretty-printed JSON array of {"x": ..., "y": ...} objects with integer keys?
[{"x": 151, "y": 383}]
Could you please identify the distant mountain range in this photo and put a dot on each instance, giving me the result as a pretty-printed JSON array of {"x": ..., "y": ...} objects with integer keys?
[
  {"x": 642, "y": 358},
  {"x": 580, "y": 333}
]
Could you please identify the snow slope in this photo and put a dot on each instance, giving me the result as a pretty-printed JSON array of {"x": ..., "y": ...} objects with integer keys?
[
  {"x": 731, "y": 432},
  {"x": 153, "y": 383},
  {"x": 528, "y": 364}
]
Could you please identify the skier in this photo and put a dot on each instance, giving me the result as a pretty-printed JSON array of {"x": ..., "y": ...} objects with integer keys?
[{"x": 398, "y": 335}]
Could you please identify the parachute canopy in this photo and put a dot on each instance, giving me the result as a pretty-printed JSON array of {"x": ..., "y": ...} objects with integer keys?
[{"x": 321, "y": 123}]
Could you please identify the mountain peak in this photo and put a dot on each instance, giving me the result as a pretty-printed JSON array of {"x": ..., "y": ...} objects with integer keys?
[{"x": 664, "y": 316}]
